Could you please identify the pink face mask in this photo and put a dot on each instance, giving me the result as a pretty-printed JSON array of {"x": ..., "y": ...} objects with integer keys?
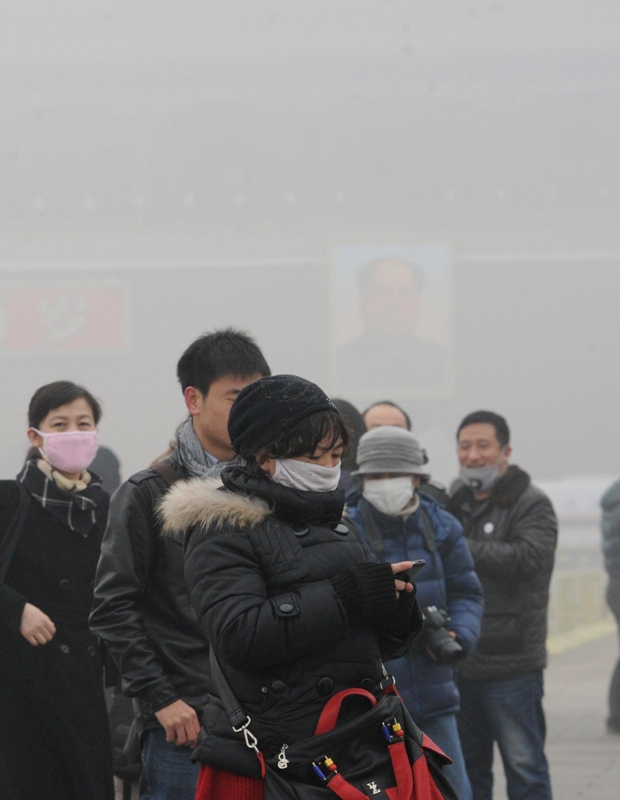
[{"x": 69, "y": 451}]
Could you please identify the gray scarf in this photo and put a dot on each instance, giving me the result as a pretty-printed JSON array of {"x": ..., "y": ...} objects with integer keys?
[{"x": 191, "y": 453}]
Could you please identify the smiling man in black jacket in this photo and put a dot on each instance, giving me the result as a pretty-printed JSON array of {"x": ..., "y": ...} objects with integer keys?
[
  {"x": 142, "y": 610},
  {"x": 511, "y": 530}
]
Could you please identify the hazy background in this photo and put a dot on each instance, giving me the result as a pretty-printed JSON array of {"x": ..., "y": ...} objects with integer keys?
[{"x": 166, "y": 168}]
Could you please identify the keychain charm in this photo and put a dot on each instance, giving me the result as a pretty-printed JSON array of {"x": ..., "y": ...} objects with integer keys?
[{"x": 282, "y": 759}]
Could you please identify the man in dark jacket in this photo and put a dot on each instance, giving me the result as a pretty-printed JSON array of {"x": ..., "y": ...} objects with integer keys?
[
  {"x": 610, "y": 503},
  {"x": 511, "y": 530},
  {"x": 400, "y": 523},
  {"x": 142, "y": 610}
]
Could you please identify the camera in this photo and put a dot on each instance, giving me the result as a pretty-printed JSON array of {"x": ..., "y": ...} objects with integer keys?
[{"x": 436, "y": 638}]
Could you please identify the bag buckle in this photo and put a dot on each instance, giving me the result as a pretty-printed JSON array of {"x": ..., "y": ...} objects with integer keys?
[
  {"x": 388, "y": 684},
  {"x": 393, "y": 731},
  {"x": 325, "y": 768},
  {"x": 250, "y": 740}
]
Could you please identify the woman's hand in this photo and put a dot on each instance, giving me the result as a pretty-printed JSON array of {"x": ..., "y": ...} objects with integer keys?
[
  {"x": 401, "y": 586},
  {"x": 36, "y": 627},
  {"x": 180, "y": 723}
]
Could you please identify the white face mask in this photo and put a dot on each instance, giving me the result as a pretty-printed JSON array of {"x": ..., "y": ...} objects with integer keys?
[
  {"x": 305, "y": 476},
  {"x": 389, "y": 495}
]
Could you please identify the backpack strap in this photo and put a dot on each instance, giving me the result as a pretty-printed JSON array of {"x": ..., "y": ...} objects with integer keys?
[
  {"x": 431, "y": 546},
  {"x": 428, "y": 533},
  {"x": 371, "y": 529},
  {"x": 373, "y": 534},
  {"x": 168, "y": 473},
  {"x": 11, "y": 535}
]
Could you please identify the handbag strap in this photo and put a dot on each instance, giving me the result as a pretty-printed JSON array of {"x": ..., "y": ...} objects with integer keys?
[
  {"x": 402, "y": 770},
  {"x": 329, "y": 715},
  {"x": 239, "y": 720},
  {"x": 344, "y": 790},
  {"x": 237, "y": 716}
]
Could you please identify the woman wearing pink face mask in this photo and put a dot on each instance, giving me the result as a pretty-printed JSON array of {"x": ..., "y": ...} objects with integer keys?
[{"x": 54, "y": 736}]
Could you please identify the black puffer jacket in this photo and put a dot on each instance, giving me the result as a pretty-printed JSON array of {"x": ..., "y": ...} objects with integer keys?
[
  {"x": 142, "y": 610},
  {"x": 260, "y": 559},
  {"x": 512, "y": 536}
]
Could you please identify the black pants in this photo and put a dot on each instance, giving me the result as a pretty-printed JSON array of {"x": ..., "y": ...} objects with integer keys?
[{"x": 613, "y": 601}]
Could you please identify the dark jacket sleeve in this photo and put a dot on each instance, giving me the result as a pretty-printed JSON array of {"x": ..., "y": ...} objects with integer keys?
[
  {"x": 248, "y": 629},
  {"x": 122, "y": 572},
  {"x": 463, "y": 589},
  {"x": 531, "y": 546},
  {"x": 397, "y": 635},
  {"x": 11, "y": 601},
  {"x": 11, "y": 608},
  {"x": 374, "y": 603}
]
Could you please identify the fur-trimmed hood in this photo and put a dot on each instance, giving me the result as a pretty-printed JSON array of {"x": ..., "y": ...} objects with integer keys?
[
  {"x": 202, "y": 502},
  {"x": 241, "y": 499}
]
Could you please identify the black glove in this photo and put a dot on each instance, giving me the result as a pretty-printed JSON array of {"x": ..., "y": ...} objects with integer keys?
[{"x": 367, "y": 592}]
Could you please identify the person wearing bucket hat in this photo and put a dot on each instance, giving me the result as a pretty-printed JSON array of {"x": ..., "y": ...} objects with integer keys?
[
  {"x": 397, "y": 520},
  {"x": 386, "y": 412},
  {"x": 294, "y": 607}
]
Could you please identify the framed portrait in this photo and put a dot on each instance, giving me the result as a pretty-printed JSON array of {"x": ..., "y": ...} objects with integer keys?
[{"x": 392, "y": 321}]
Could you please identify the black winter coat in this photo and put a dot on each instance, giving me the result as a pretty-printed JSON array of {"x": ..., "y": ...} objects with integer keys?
[
  {"x": 512, "y": 537},
  {"x": 54, "y": 733},
  {"x": 142, "y": 609},
  {"x": 259, "y": 559}
]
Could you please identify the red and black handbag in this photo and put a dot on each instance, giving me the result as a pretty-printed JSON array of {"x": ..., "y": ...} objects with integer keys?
[{"x": 380, "y": 753}]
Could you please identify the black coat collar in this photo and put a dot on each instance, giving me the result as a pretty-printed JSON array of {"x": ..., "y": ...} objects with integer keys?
[{"x": 289, "y": 505}]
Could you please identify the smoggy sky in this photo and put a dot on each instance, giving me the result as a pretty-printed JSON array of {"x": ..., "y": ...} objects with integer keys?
[{"x": 170, "y": 167}]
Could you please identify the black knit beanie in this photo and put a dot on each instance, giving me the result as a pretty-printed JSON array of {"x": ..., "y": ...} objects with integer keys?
[{"x": 266, "y": 408}]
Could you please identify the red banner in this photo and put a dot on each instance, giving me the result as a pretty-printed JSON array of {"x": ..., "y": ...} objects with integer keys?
[{"x": 56, "y": 317}]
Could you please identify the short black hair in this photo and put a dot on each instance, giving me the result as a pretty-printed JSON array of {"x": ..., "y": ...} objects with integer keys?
[
  {"x": 394, "y": 405},
  {"x": 304, "y": 437},
  {"x": 223, "y": 352},
  {"x": 57, "y": 394},
  {"x": 365, "y": 273},
  {"x": 502, "y": 432}
]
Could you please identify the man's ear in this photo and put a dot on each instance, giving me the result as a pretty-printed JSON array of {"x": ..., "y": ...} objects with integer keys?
[
  {"x": 507, "y": 453},
  {"x": 194, "y": 399}
]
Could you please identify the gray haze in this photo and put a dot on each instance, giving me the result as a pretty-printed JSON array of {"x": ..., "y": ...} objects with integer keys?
[{"x": 166, "y": 168}]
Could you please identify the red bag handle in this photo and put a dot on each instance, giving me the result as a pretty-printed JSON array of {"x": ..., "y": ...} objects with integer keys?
[
  {"x": 329, "y": 715},
  {"x": 402, "y": 772}
]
